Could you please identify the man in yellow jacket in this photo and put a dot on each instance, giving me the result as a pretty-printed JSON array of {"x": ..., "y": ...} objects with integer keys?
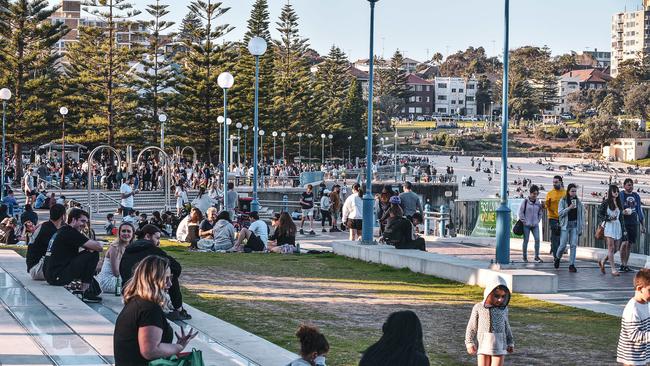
[{"x": 551, "y": 203}]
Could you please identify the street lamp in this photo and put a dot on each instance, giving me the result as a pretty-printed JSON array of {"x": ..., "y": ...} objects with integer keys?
[
  {"x": 330, "y": 137},
  {"x": 262, "y": 154},
  {"x": 350, "y": 149},
  {"x": 239, "y": 126},
  {"x": 275, "y": 134},
  {"x": 256, "y": 47},
  {"x": 63, "y": 111},
  {"x": 299, "y": 146},
  {"x": 368, "y": 201},
  {"x": 245, "y": 142},
  {"x": 309, "y": 136},
  {"x": 395, "y": 157},
  {"x": 225, "y": 81},
  {"x": 322, "y": 159},
  {"x": 162, "y": 118},
  {"x": 5, "y": 94},
  {"x": 503, "y": 212},
  {"x": 284, "y": 159},
  {"x": 220, "y": 120}
]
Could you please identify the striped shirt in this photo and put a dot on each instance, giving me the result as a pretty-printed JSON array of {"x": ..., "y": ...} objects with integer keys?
[{"x": 634, "y": 340}]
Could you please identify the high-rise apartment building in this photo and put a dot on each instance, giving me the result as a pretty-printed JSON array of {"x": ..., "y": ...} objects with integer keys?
[{"x": 630, "y": 35}]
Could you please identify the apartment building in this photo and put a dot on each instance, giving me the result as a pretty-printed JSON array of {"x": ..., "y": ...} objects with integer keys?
[
  {"x": 420, "y": 103},
  {"x": 630, "y": 35},
  {"x": 455, "y": 95}
]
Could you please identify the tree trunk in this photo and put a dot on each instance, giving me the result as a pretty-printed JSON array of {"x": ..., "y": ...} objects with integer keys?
[{"x": 19, "y": 161}]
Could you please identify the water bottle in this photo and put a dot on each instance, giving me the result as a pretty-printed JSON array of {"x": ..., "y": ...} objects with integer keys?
[
  {"x": 297, "y": 248},
  {"x": 118, "y": 286}
]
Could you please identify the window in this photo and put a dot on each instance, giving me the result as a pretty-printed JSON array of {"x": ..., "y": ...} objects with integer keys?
[
  {"x": 470, "y": 87},
  {"x": 418, "y": 110},
  {"x": 412, "y": 99},
  {"x": 442, "y": 85},
  {"x": 428, "y": 99},
  {"x": 460, "y": 102},
  {"x": 411, "y": 109},
  {"x": 460, "y": 90},
  {"x": 442, "y": 110},
  {"x": 453, "y": 102},
  {"x": 470, "y": 99},
  {"x": 453, "y": 90},
  {"x": 418, "y": 88},
  {"x": 418, "y": 99},
  {"x": 442, "y": 97}
]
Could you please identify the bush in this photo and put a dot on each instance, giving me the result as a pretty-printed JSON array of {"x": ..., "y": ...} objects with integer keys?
[{"x": 558, "y": 132}]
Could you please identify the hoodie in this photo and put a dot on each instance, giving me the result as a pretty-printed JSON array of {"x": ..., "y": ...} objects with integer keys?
[
  {"x": 488, "y": 328},
  {"x": 223, "y": 233},
  {"x": 137, "y": 251}
]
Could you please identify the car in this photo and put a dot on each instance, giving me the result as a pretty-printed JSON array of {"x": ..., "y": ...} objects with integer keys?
[{"x": 567, "y": 116}]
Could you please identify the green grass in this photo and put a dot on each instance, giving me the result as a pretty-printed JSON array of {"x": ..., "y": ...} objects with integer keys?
[
  {"x": 541, "y": 329},
  {"x": 642, "y": 162}
]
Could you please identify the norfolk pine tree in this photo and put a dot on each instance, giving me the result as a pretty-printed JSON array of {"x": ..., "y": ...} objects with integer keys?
[
  {"x": 156, "y": 81},
  {"x": 28, "y": 69},
  {"x": 201, "y": 96},
  {"x": 242, "y": 94},
  {"x": 352, "y": 117}
]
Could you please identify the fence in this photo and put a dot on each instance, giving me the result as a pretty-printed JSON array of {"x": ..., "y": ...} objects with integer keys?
[{"x": 465, "y": 215}]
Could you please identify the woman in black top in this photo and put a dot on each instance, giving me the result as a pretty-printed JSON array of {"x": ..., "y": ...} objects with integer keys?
[
  {"x": 285, "y": 232},
  {"x": 401, "y": 343},
  {"x": 193, "y": 227},
  {"x": 141, "y": 332}
]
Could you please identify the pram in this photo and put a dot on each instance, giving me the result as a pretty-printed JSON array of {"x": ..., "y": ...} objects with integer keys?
[{"x": 242, "y": 213}]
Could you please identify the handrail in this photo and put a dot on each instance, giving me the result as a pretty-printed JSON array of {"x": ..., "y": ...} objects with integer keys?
[{"x": 48, "y": 184}]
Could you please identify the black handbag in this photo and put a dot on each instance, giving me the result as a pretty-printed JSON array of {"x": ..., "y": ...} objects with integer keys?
[{"x": 518, "y": 229}]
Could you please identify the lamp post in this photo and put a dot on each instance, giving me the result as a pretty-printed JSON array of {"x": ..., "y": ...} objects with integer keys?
[
  {"x": 220, "y": 120},
  {"x": 63, "y": 111},
  {"x": 261, "y": 154},
  {"x": 245, "y": 142},
  {"x": 239, "y": 126},
  {"x": 5, "y": 94},
  {"x": 330, "y": 136},
  {"x": 322, "y": 152},
  {"x": 349, "y": 149},
  {"x": 274, "y": 134},
  {"x": 395, "y": 157},
  {"x": 368, "y": 201},
  {"x": 299, "y": 146},
  {"x": 310, "y": 136},
  {"x": 256, "y": 47},
  {"x": 503, "y": 212},
  {"x": 162, "y": 118},
  {"x": 225, "y": 81},
  {"x": 284, "y": 159}
]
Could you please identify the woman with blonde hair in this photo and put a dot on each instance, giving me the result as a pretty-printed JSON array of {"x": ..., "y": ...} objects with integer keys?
[
  {"x": 141, "y": 332},
  {"x": 109, "y": 274}
]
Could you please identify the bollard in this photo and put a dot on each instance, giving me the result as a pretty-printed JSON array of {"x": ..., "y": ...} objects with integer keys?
[
  {"x": 427, "y": 217},
  {"x": 443, "y": 211},
  {"x": 285, "y": 203}
]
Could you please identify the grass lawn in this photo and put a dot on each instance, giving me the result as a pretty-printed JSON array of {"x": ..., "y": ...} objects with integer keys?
[{"x": 271, "y": 294}]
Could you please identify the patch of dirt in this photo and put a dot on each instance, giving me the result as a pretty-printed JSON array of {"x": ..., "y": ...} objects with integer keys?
[{"x": 347, "y": 304}]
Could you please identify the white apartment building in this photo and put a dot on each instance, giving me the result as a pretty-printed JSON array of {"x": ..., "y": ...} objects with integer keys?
[
  {"x": 630, "y": 35},
  {"x": 577, "y": 80},
  {"x": 454, "y": 95}
]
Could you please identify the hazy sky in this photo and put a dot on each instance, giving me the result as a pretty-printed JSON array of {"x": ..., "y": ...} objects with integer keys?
[{"x": 421, "y": 27}]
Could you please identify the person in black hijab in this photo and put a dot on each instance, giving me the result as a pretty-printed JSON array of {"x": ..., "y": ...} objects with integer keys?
[{"x": 401, "y": 344}]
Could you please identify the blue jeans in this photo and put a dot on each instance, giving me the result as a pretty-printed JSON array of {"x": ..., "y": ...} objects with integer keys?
[
  {"x": 569, "y": 236},
  {"x": 527, "y": 231}
]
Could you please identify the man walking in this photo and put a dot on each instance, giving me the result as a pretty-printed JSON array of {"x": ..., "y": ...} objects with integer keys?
[
  {"x": 633, "y": 215},
  {"x": 126, "y": 194},
  {"x": 551, "y": 203},
  {"x": 307, "y": 205}
]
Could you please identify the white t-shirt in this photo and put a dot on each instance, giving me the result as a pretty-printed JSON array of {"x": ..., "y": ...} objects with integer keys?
[
  {"x": 259, "y": 228},
  {"x": 181, "y": 197},
  {"x": 125, "y": 188}
]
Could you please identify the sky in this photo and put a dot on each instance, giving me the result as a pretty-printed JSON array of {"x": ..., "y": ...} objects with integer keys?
[{"x": 419, "y": 28}]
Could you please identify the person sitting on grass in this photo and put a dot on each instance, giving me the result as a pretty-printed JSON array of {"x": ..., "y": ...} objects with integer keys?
[
  {"x": 400, "y": 344},
  {"x": 400, "y": 232},
  {"x": 283, "y": 239},
  {"x": 193, "y": 227},
  {"x": 8, "y": 231},
  {"x": 313, "y": 347},
  {"x": 223, "y": 234},
  {"x": 110, "y": 224},
  {"x": 148, "y": 243},
  {"x": 141, "y": 332},
  {"x": 255, "y": 236},
  {"x": 206, "y": 226}
]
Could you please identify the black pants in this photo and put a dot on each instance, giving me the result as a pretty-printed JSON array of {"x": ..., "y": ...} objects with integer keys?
[
  {"x": 555, "y": 235},
  {"x": 325, "y": 216},
  {"x": 418, "y": 243},
  {"x": 82, "y": 267}
]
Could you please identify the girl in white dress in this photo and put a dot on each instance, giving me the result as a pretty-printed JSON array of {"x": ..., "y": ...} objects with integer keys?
[
  {"x": 110, "y": 271},
  {"x": 610, "y": 214}
]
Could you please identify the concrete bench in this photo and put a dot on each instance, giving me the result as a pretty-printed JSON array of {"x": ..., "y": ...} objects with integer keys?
[
  {"x": 471, "y": 272},
  {"x": 239, "y": 347}
]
